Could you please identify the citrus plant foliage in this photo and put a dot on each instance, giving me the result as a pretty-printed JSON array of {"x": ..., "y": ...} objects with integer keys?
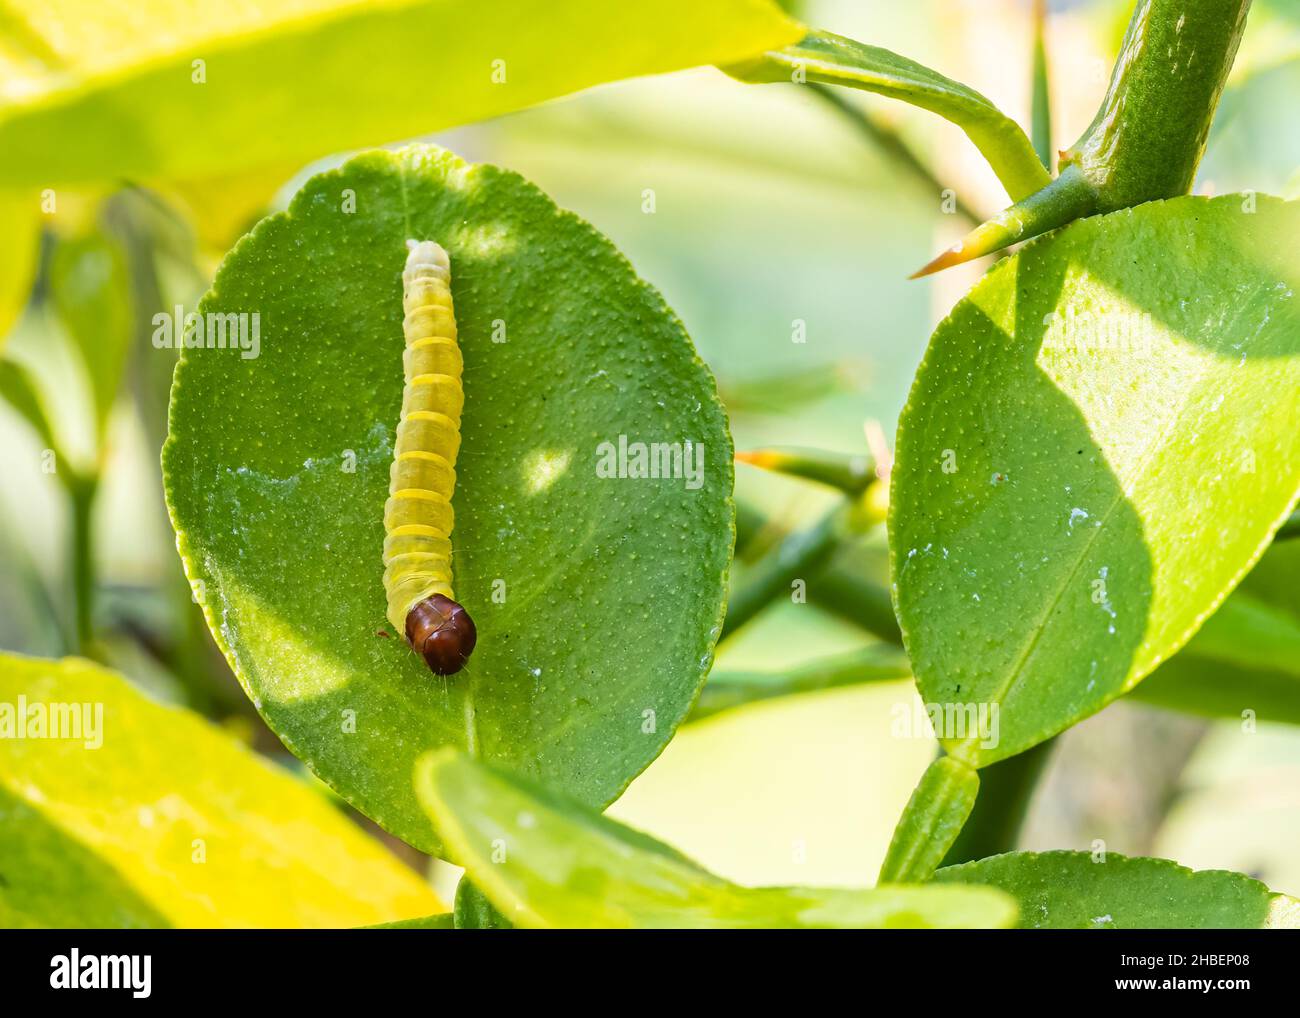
[
  {"x": 1083, "y": 891},
  {"x": 598, "y": 599},
  {"x": 568, "y": 866},
  {"x": 154, "y": 817},
  {"x": 1090, "y": 495},
  {"x": 1093, "y": 455},
  {"x": 290, "y": 80}
]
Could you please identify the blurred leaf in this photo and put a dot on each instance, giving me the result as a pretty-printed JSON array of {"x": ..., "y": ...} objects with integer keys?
[
  {"x": 18, "y": 389},
  {"x": 1071, "y": 891},
  {"x": 785, "y": 391},
  {"x": 91, "y": 288},
  {"x": 160, "y": 818},
  {"x": 1216, "y": 689},
  {"x": 1076, "y": 486},
  {"x": 612, "y": 588},
  {"x": 1248, "y": 631},
  {"x": 19, "y": 245},
  {"x": 728, "y": 689},
  {"x": 546, "y": 861},
  {"x": 834, "y": 60},
  {"x": 53, "y": 881},
  {"x": 223, "y": 208},
  {"x": 219, "y": 89},
  {"x": 1246, "y": 656}
]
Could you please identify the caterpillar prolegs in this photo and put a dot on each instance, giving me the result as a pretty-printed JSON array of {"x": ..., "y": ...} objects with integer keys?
[{"x": 418, "y": 517}]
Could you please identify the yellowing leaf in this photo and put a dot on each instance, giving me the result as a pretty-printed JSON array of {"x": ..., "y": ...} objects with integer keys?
[
  {"x": 19, "y": 243},
  {"x": 169, "y": 88},
  {"x": 151, "y": 816}
]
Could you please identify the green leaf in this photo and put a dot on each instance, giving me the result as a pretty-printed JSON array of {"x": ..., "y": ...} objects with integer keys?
[
  {"x": 87, "y": 95},
  {"x": 90, "y": 286},
  {"x": 474, "y": 912},
  {"x": 834, "y": 60},
  {"x": 154, "y": 817},
  {"x": 1069, "y": 890},
  {"x": 1099, "y": 443},
  {"x": 597, "y": 600},
  {"x": 931, "y": 821},
  {"x": 546, "y": 861},
  {"x": 19, "y": 245},
  {"x": 441, "y": 921}
]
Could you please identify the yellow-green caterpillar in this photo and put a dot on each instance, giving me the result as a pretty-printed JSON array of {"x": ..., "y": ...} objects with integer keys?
[{"x": 418, "y": 517}]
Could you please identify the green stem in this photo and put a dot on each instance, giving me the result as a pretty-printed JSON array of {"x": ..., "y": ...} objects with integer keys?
[
  {"x": 859, "y": 601},
  {"x": 849, "y": 474},
  {"x": 81, "y": 493},
  {"x": 1041, "y": 112},
  {"x": 1067, "y": 198},
  {"x": 891, "y": 143},
  {"x": 1006, "y": 790},
  {"x": 1150, "y": 133},
  {"x": 798, "y": 556},
  {"x": 729, "y": 689},
  {"x": 749, "y": 523}
]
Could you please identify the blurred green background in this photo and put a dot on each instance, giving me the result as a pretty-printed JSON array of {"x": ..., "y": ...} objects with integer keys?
[{"x": 769, "y": 208}]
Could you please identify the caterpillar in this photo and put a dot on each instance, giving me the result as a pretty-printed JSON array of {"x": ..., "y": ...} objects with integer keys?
[{"x": 418, "y": 517}]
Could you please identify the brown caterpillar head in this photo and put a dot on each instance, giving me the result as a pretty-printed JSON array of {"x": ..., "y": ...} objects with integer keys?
[{"x": 441, "y": 632}]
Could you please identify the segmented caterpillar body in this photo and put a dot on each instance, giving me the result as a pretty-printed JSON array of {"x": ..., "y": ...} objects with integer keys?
[{"x": 418, "y": 517}]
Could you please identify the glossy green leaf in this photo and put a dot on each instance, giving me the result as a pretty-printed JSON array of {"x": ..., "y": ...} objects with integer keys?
[
  {"x": 215, "y": 89},
  {"x": 19, "y": 245},
  {"x": 146, "y": 815},
  {"x": 546, "y": 861},
  {"x": 1099, "y": 443},
  {"x": 834, "y": 60},
  {"x": 931, "y": 821},
  {"x": 90, "y": 287},
  {"x": 597, "y": 599},
  {"x": 1071, "y": 890}
]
